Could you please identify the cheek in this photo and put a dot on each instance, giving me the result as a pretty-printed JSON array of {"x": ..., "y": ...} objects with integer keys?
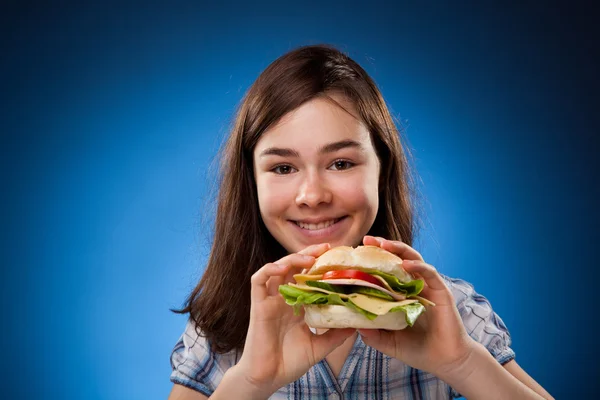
[
  {"x": 361, "y": 195},
  {"x": 273, "y": 199}
]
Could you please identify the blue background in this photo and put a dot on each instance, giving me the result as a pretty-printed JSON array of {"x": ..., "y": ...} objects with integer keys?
[{"x": 113, "y": 115}]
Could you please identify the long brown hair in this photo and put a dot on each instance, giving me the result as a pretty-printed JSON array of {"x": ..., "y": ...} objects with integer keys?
[{"x": 220, "y": 304}]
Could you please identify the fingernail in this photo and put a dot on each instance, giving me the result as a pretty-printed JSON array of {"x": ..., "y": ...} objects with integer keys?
[{"x": 408, "y": 262}]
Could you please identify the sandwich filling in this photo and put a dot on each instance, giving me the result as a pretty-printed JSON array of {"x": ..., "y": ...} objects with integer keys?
[{"x": 371, "y": 293}]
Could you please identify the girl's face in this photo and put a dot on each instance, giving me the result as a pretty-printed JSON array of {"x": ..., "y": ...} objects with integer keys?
[{"x": 316, "y": 175}]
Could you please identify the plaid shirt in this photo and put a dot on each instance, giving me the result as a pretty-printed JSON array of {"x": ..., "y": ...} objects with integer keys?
[{"x": 366, "y": 374}]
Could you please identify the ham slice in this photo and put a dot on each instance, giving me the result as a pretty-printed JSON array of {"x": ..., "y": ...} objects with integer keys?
[{"x": 359, "y": 282}]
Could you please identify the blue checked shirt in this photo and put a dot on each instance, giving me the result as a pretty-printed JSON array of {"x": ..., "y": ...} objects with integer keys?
[{"x": 366, "y": 374}]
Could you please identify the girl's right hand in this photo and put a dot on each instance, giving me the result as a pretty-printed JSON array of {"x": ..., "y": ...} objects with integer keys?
[{"x": 280, "y": 347}]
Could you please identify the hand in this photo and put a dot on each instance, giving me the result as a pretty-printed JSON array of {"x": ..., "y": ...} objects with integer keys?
[
  {"x": 438, "y": 341},
  {"x": 279, "y": 347}
]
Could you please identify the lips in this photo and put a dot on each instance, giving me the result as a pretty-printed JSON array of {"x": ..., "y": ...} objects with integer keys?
[
  {"x": 309, "y": 231},
  {"x": 316, "y": 226}
]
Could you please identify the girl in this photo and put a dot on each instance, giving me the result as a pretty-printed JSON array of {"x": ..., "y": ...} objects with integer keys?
[{"x": 313, "y": 161}]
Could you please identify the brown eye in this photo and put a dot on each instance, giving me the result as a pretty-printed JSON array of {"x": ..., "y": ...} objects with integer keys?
[
  {"x": 340, "y": 165},
  {"x": 282, "y": 169}
]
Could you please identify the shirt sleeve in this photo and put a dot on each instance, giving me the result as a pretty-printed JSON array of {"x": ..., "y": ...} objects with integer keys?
[
  {"x": 480, "y": 321},
  {"x": 195, "y": 365}
]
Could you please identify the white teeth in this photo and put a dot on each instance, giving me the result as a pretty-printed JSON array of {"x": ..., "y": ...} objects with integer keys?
[{"x": 314, "y": 227}]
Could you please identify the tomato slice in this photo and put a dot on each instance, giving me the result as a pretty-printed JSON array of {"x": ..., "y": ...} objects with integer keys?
[{"x": 352, "y": 274}]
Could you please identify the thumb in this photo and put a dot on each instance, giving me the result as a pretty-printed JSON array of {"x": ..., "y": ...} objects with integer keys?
[
  {"x": 370, "y": 336},
  {"x": 381, "y": 340},
  {"x": 329, "y": 341}
]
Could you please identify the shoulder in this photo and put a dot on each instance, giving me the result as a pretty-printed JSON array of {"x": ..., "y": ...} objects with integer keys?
[
  {"x": 480, "y": 320},
  {"x": 461, "y": 290},
  {"x": 195, "y": 365},
  {"x": 468, "y": 301}
]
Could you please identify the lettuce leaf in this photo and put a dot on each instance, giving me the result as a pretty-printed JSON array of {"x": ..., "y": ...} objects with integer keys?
[
  {"x": 411, "y": 288},
  {"x": 326, "y": 286},
  {"x": 411, "y": 311},
  {"x": 371, "y": 292},
  {"x": 359, "y": 310},
  {"x": 347, "y": 289},
  {"x": 297, "y": 297}
]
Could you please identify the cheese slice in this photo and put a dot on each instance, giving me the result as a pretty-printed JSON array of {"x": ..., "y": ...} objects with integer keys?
[
  {"x": 317, "y": 289},
  {"x": 359, "y": 282},
  {"x": 424, "y": 301},
  {"x": 384, "y": 282},
  {"x": 301, "y": 278},
  {"x": 371, "y": 304},
  {"x": 377, "y": 306},
  {"x": 388, "y": 287}
]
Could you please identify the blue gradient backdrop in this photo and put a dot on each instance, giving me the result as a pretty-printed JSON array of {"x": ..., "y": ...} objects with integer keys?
[{"x": 112, "y": 116}]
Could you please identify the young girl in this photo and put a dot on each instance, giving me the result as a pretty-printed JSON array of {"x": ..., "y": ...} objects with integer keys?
[{"x": 314, "y": 161}]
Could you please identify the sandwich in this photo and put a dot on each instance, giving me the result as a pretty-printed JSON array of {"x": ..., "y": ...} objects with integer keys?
[{"x": 363, "y": 287}]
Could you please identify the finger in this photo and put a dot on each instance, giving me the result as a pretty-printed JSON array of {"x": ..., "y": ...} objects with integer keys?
[
  {"x": 273, "y": 284},
  {"x": 432, "y": 278},
  {"x": 371, "y": 241},
  {"x": 258, "y": 288},
  {"x": 275, "y": 281},
  {"x": 280, "y": 268},
  {"x": 397, "y": 247},
  {"x": 374, "y": 240},
  {"x": 316, "y": 250},
  {"x": 311, "y": 251},
  {"x": 381, "y": 340},
  {"x": 329, "y": 341},
  {"x": 401, "y": 249}
]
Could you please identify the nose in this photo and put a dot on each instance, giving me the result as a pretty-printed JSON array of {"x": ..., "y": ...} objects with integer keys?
[{"x": 313, "y": 191}]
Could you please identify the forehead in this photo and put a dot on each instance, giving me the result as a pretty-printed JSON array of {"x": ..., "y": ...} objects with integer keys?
[{"x": 317, "y": 122}]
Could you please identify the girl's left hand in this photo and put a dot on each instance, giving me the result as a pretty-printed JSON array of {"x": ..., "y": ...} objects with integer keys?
[{"x": 438, "y": 341}]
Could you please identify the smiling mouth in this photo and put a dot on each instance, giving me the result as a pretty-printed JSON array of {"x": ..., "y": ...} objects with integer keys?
[{"x": 320, "y": 225}]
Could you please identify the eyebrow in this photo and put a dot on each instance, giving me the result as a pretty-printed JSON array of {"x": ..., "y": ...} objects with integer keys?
[
  {"x": 328, "y": 148},
  {"x": 342, "y": 144}
]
